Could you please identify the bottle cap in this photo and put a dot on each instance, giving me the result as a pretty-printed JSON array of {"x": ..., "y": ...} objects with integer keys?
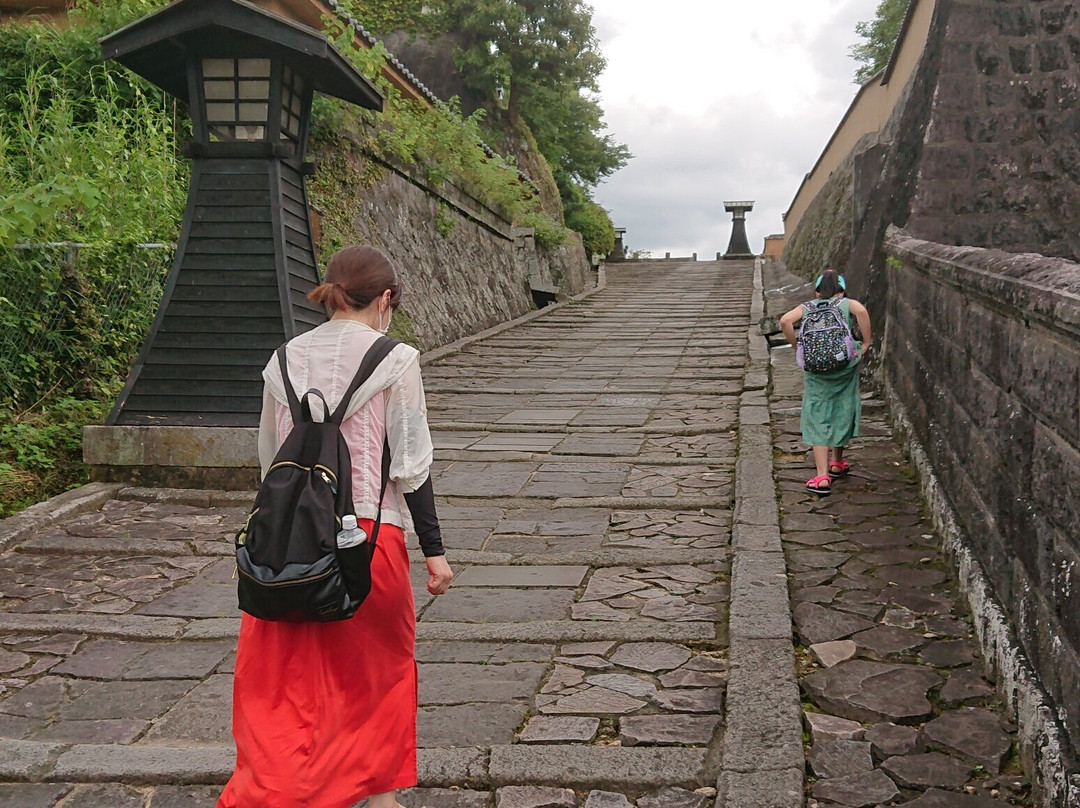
[{"x": 348, "y": 522}]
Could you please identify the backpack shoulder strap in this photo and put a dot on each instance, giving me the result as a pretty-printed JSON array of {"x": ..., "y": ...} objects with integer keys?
[
  {"x": 375, "y": 355},
  {"x": 382, "y": 490},
  {"x": 290, "y": 393}
]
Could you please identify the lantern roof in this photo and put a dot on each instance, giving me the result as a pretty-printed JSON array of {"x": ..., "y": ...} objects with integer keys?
[{"x": 158, "y": 47}]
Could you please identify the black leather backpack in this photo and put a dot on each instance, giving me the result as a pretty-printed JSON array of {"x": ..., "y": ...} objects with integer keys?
[{"x": 288, "y": 563}]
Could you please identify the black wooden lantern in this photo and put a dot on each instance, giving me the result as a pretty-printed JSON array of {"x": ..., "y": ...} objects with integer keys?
[{"x": 245, "y": 260}]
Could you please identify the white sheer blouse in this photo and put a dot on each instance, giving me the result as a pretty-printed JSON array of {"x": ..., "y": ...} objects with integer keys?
[{"x": 391, "y": 403}]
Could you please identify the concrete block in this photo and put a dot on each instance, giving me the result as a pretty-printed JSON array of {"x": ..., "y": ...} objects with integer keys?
[{"x": 215, "y": 447}]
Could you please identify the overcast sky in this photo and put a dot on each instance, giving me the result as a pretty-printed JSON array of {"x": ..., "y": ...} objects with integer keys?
[{"x": 719, "y": 100}]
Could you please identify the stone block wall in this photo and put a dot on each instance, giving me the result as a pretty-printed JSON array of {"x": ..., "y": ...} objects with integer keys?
[
  {"x": 983, "y": 349},
  {"x": 823, "y": 238},
  {"x": 475, "y": 276},
  {"x": 1001, "y": 161}
]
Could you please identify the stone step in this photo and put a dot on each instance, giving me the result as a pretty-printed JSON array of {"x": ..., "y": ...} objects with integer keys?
[
  {"x": 567, "y": 631},
  {"x": 632, "y": 769}
]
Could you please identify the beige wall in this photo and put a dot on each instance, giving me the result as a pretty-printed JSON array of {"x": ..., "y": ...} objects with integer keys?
[
  {"x": 774, "y": 247},
  {"x": 871, "y": 109}
]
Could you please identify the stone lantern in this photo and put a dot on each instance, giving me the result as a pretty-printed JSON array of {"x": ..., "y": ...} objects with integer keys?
[
  {"x": 245, "y": 259},
  {"x": 739, "y": 246}
]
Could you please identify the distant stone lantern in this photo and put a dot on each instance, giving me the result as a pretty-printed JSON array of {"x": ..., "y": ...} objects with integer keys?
[
  {"x": 246, "y": 258},
  {"x": 739, "y": 246},
  {"x": 618, "y": 252}
]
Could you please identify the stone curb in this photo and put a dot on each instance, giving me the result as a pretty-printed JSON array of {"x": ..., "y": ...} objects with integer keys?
[
  {"x": 614, "y": 768},
  {"x": 608, "y": 557},
  {"x": 646, "y": 503},
  {"x": 673, "y": 431},
  {"x": 78, "y": 501},
  {"x": 565, "y": 631},
  {"x": 763, "y": 758},
  {"x": 435, "y": 387},
  {"x": 456, "y": 767},
  {"x": 484, "y": 456},
  {"x": 196, "y": 497},
  {"x": 456, "y": 347},
  {"x": 26, "y": 761},
  {"x": 144, "y": 765},
  {"x": 592, "y": 767},
  {"x": 1042, "y": 740},
  {"x": 118, "y": 626},
  {"x": 766, "y": 789},
  {"x": 216, "y": 628}
]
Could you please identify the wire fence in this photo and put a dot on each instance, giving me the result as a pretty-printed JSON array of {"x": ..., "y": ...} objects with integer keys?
[{"x": 72, "y": 316}]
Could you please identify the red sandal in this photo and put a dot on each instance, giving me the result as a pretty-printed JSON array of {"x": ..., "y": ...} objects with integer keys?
[
  {"x": 822, "y": 486},
  {"x": 838, "y": 468}
]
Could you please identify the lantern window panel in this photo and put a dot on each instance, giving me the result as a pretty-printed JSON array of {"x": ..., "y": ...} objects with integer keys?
[
  {"x": 219, "y": 68},
  {"x": 253, "y": 112},
  {"x": 290, "y": 126},
  {"x": 221, "y": 113},
  {"x": 219, "y": 90},
  {"x": 253, "y": 68},
  {"x": 253, "y": 90}
]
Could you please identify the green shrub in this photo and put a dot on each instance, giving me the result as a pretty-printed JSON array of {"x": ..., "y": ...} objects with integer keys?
[{"x": 594, "y": 224}]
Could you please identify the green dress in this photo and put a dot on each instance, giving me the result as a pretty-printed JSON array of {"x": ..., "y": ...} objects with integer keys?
[{"x": 831, "y": 406}]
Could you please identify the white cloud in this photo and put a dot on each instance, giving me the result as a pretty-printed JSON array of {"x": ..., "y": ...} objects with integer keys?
[{"x": 719, "y": 100}]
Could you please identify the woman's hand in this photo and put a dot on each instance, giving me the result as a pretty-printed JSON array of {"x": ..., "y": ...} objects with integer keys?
[{"x": 439, "y": 574}]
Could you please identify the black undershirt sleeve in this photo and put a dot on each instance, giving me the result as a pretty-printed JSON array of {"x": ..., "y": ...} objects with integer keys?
[{"x": 421, "y": 504}]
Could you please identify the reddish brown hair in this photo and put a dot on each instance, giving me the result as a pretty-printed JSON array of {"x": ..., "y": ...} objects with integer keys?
[{"x": 356, "y": 276}]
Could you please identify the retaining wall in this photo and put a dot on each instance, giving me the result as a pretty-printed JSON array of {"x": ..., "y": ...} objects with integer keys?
[
  {"x": 982, "y": 349},
  {"x": 473, "y": 277}
]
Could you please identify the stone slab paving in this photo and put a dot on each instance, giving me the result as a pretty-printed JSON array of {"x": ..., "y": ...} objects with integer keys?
[
  {"x": 897, "y": 708},
  {"x": 586, "y": 472}
]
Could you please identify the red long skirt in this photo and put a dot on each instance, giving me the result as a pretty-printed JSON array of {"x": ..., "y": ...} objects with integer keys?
[{"x": 324, "y": 714}]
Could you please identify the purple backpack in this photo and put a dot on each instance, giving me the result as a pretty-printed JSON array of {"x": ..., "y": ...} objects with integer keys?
[{"x": 825, "y": 340}]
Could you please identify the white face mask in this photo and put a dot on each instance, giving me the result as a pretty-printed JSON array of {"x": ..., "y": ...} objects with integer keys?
[{"x": 382, "y": 329}]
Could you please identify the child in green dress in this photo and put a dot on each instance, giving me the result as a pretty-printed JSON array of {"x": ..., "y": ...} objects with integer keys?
[{"x": 831, "y": 408}]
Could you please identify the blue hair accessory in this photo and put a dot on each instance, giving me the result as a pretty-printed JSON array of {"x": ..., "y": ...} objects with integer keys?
[{"x": 820, "y": 278}]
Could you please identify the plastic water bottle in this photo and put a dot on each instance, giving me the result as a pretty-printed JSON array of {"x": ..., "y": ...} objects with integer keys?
[{"x": 351, "y": 534}]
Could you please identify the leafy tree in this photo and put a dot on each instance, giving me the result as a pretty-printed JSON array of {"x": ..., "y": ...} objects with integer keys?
[
  {"x": 523, "y": 45},
  {"x": 544, "y": 56},
  {"x": 569, "y": 131},
  {"x": 879, "y": 38}
]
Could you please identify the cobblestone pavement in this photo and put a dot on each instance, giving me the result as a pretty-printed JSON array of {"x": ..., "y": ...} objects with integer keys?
[
  {"x": 585, "y": 466},
  {"x": 897, "y": 706},
  {"x": 619, "y": 633}
]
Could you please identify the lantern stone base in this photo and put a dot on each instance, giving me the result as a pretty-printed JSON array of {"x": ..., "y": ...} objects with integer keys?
[{"x": 221, "y": 458}]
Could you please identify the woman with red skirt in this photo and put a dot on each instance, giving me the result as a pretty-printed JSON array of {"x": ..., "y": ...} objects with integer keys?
[{"x": 324, "y": 714}]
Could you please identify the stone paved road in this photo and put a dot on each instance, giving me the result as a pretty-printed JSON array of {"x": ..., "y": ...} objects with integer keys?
[
  {"x": 606, "y": 552},
  {"x": 897, "y": 706},
  {"x": 585, "y": 464}
]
